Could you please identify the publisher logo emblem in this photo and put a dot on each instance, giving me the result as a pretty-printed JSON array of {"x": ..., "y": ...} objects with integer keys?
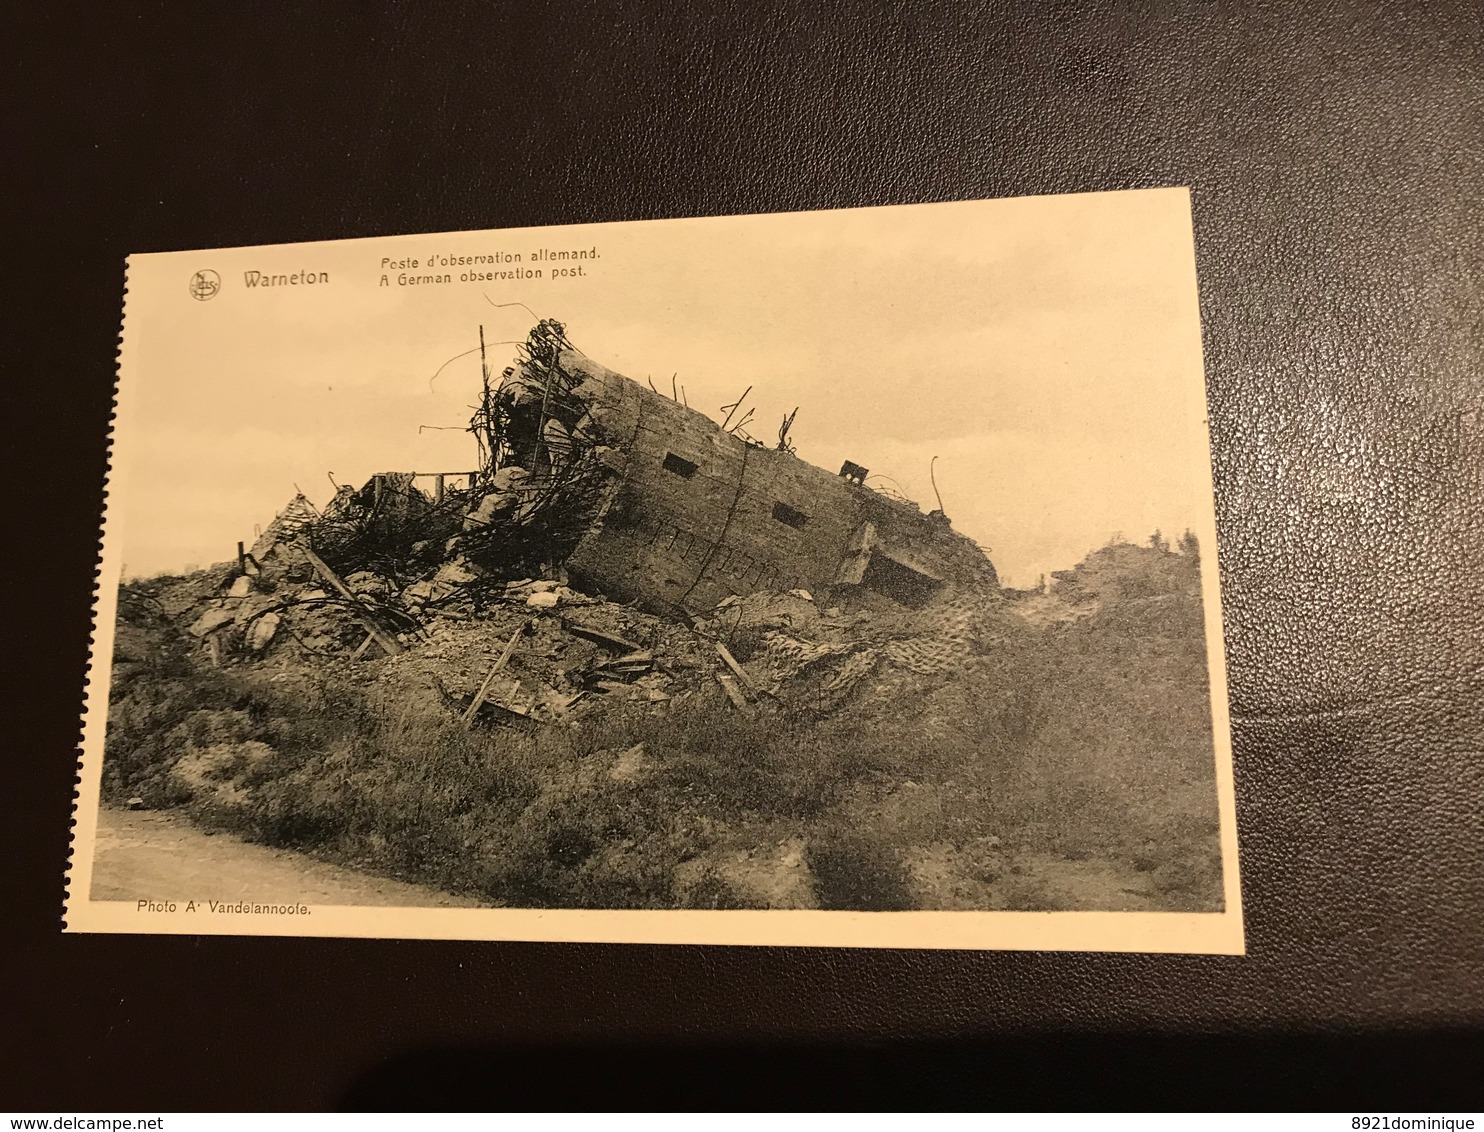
[{"x": 205, "y": 285}]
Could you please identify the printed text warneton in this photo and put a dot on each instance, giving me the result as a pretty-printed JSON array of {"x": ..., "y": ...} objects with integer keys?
[{"x": 298, "y": 278}]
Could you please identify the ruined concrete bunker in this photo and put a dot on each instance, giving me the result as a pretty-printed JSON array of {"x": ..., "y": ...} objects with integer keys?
[{"x": 677, "y": 513}]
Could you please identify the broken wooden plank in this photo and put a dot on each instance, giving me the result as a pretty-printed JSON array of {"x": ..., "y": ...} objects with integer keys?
[
  {"x": 633, "y": 663},
  {"x": 322, "y": 568},
  {"x": 643, "y": 656},
  {"x": 389, "y": 643},
  {"x": 603, "y": 637},
  {"x": 494, "y": 671},
  {"x": 362, "y": 647},
  {"x": 731, "y": 662},
  {"x": 728, "y": 684}
]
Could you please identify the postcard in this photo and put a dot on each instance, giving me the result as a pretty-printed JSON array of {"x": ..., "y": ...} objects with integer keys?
[{"x": 837, "y": 578}]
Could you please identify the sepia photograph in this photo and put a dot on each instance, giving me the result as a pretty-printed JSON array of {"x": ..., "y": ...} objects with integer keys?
[{"x": 843, "y": 578}]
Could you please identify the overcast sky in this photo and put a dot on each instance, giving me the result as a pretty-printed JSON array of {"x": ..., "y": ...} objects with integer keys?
[{"x": 1046, "y": 350}]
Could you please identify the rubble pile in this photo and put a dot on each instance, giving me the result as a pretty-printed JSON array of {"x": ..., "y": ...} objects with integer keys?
[
  {"x": 817, "y": 658},
  {"x": 533, "y": 651},
  {"x": 456, "y": 583},
  {"x": 543, "y": 653}
]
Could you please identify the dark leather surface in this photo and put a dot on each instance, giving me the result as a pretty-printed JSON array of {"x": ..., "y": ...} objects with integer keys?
[{"x": 1336, "y": 157}]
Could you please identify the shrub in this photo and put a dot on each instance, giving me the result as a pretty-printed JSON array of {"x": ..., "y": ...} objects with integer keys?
[{"x": 857, "y": 873}]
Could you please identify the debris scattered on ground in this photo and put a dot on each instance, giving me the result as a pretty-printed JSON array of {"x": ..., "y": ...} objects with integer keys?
[
  {"x": 570, "y": 653},
  {"x": 422, "y": 580}
]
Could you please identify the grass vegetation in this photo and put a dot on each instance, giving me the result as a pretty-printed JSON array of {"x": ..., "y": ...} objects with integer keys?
[{"x": 1082, "y": 743}]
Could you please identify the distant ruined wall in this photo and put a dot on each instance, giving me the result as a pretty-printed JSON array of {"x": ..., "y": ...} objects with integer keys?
[{"x": 700, "y": 514}]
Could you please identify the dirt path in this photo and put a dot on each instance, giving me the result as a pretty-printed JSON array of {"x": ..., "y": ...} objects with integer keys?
[{"x": 151, "y": 855}]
